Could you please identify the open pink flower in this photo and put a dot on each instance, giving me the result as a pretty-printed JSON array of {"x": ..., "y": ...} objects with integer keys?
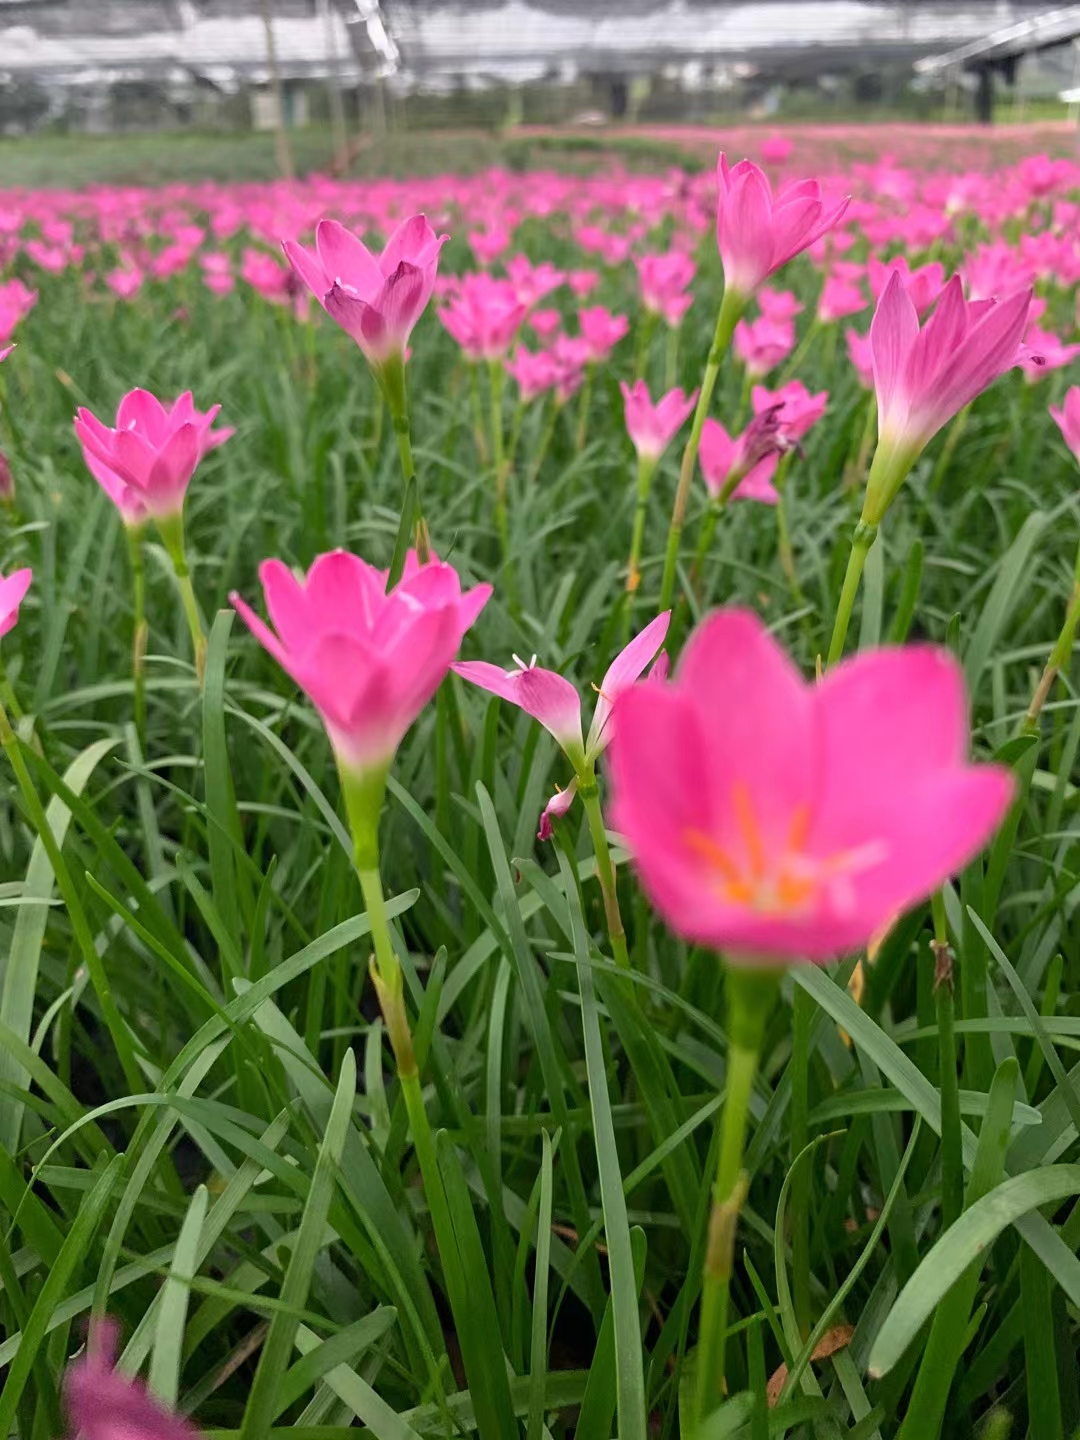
[
  {"x": 369, "y": 661},
  {"x": 923, "y": 285},
  {"x": 665, "y": 281},
  {"x": 839, "y": 297},
  {"x": 782, "y": 820},
  {"x": 757, "y": 233},
  {"x": 483, "y": 316},
  {"x": 923, "y": 377},
  {"x": 377, "y": 299},
  {"x": 861, "y": 354},
  {"x": 12, "y": 593},
  {"x": 742, "y": 468},
  {"x": 552, "y": 700},
  {"x": 146, "y": 461},
  {"x": 763, "y": 344},
  {"x": 601, "y": 331},
  {"x": 652, "y": 427},
  {"x": 1043, "y": 351},
  {"x": 800, "y": 410},
  {"x": 535, "y": 373},
  {"x": 1067, "y": 419},
  {"x": 104, "y": 1404},
  {"x": 778, "y": 304}
]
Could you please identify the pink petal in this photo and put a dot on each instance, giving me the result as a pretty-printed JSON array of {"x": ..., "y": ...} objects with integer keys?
[
  {"x": 144, "y": 413},
  {"x": 347, "y": 261},
  {"x": 545, "y": 696},
  {"x": 555, "y": 808},
  {"x": 306, "y": 264},
  {"x": 623, "y": 671},
  {"x": 893, "y": 332}
]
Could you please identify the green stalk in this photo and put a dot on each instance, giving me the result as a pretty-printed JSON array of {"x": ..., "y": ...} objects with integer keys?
[
  {"x": 803, "y": 1014},
  {"x": 502, "y": 519},
  {"x": 956, "y": 430},
  {"x": 138, "y": 643},
  {"x": 855, "y": 469},
  {"x": 605, "y": 869},
  {"x": 7, "y": 693},
  {"x": 861, "y": 541},
  {"x": 671, "y": 358},
  {"x": 801, "y": 350},
  {"x": 478, "y": 414},
  {"x": 731, "y": 309},
  {"x": 171, "y": 530},
  {"x": 750, "y": 997},
  {"x": 83, "y": 934},
  {"x": 645, "y": 471},
  {"x": 392, "y": 381},
  {"x": 1060, "y": 655},
  {"x": 952, "y": 1158},
  {"x": 583, "y": 407},
  {"x": 645, "y": 334},
  {"x": 545, "y": 441}
]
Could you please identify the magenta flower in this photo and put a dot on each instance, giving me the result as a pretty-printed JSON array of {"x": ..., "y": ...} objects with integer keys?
[
  {"x": 781, "y": 821},
  {"x": 763, "y": 344},
  {"x": 742, "y": 468},
  {"x": 375, "y": 299},
  {"x": 1067, "y": 419},
  {"x": 484, "y": 316},
  {"x": 1043, "y": 351},
  {"x": 861, "y": 354},
  {"x": 146, "y": 462},
  {"x": 923, "y": 285},
  {"x": 757, "y": 233},
  {"x": 535, "y": 373},
  {"x": 924, "y": 377},
  {"x": 12, "y": 593},
  {"x": 544, "y": 323},
  {"x": 839, "y": 298},
  {"x": 552, "y": 700},
  {"x": 652, "y": 427},
  {"x": 778, "y": 304},
  {"x": 800, "y": 410},
  {"x": 601, "y": 331},
  {"x": 104, "y": 1404},
  {"x": 369, "y": 661},
  {"x": 665, "y": 281}
]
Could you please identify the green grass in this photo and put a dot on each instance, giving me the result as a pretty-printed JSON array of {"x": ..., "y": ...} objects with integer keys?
[{"x": 214, "y": 874}]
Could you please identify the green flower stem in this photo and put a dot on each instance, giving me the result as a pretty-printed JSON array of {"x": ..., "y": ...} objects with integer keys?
[
  {"x": 7, "y": 693},
  {"x": 139, "y": 632},
  {"x": 952, "y": 1160},
  {"x": 671, "y": 358},
  {"x": 855, "y": 469},
  {"x": 545, "y": 441},
  {"x": 645, "y": 471},
  {"x": 477, "y": 414},
  {"x": 605, "y": 868},
  {"x": 791, "y": 369},
  {"x": 731, "y": 309},
  {"x": 751, "y": 993},
  {"x": 80, "y": 926},
  {"x": 171, "y": 530},
  {"x": 645, "y": 334},
  {"x": 952, "y": 439},
  {"x": 705, "y": 537},
  {"x": 502, "y": 519},
  {"x": 1060, "y": 655},
  {"x": 391, "y": 378},
  {"x": 863, "y": 538},
  {"x": 803, "y": 1008},
  {"x": 583, "y": 407}
]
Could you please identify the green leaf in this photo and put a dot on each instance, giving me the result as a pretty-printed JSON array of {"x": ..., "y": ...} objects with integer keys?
[{"x": 164, "y": 1378}]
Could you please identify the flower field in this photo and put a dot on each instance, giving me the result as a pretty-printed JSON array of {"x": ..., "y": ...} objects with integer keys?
[{"x": 538, "y": 831}]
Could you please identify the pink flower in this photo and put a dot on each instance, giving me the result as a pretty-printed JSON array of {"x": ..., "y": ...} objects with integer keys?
[
  {"x": 778, "y": 304},
  {"x": 861, "y": 355},
  {"x": 601, "y": 331},
  {"x": 146, "y": 463},
  {"x": 1067, "y": 419},
  {"x": 544, "y": 323},
  {"x": 1043, "y": 352},
  {"x": 775, "y": 149},
  {"x": 743, "y": 468},
  {"x": 532, "y": 282},
  {"x": 779, "y": 820},
  {"x": 483, "y": 317},
  {"x": 839, "y": 298},
  {"x": 800, "y": 411},
  {"x": 652, "y": 427},
  {"x": 552, "y": 700},
  {"x": 12, "y": 593},
  {"x": 375, "y": 299},
  {"x": 570, "y": 354},
  {"x": 104, "y": 1404},
  {"x": 664, "y": 284},
  {"x": 924, "y": 377},
  {"x": 923, "y": 285},
  {"x": 369, "y": 661},
  {"x": 583, "y": 282},
  {"x": 757, "y": 233},
  {"x": 534, "y": 373},
  {"x": 125, "y": 281},
  {"x": 763, "y": 344},
  {"x": 16, "y": 302}
]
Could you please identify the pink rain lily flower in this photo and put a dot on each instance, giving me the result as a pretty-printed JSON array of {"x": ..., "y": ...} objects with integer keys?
[
  {"x": 104, "y": 1404},
  {"x": 484, "y": 316},
  {"x": 923, "y": 377},
  {"x": 743, "y": 468},
  {"x": 535, "y": 373},
  {"x": 923, "y": 285},
  {"x": 742, "y": 792},
  {"x": 12, "y": 593},
  {"x": 861, "y": 354},
  {"x": 552, "y": 700},
  {"x": 376, "y": 299},
  {"x": 839, "y": 298},
  {"x": 145, "y": 463},
  {"x": 1067, "y": 418},
  {"x": 1043, "y": 351},
  {"x": 652, "y": 427},
  {"x": 665, "y": 281},
  {"x": 601, "y": 331},
  {"x": 757, "y": 233},
  {"x": 778, "y": 304},
  {"x": 763, "y": 344},
  {"x": 369, "y": 661},
  {"x": 801, "y": 411}
]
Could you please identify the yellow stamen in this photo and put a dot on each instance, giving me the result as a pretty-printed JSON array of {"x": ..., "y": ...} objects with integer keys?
[{"x": 748, "y": 828}]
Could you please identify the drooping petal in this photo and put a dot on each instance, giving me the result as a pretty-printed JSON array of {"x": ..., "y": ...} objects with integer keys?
[{"x": 543, "y": 694}]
